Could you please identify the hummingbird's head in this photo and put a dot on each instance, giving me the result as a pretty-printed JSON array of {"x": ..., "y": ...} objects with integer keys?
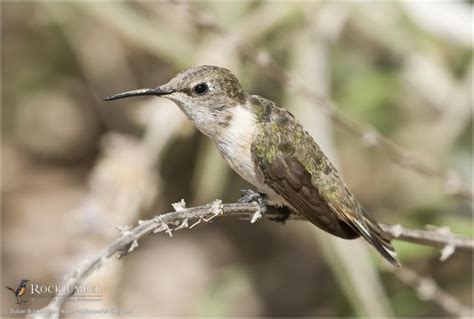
[{"x": 204, "y": 93}]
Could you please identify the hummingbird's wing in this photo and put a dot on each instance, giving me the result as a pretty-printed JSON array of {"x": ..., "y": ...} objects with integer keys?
[{"x": 290, "y": 162}]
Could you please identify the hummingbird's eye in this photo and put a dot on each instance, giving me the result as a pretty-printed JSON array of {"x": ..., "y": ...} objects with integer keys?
[{"x": 201, "y": 89}]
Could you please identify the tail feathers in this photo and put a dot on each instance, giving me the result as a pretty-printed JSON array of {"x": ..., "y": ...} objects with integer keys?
[
  {"x": 385, "y": 248},
  {"x": 13, "y": 290},
  {"x": 371, "y": 231}
]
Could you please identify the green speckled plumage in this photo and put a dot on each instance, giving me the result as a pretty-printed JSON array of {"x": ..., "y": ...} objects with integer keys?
[{"x": 292, "y": 164}]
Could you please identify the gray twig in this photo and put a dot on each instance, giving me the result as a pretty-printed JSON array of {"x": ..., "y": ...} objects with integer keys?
[
  {"x": 178, "y": 219},
  {"x": 437, "y": 237},
  {"x": 427, "y": 289}
]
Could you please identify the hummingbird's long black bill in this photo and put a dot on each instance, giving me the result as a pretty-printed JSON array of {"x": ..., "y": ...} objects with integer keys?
[{"x": 156, "y": 91}]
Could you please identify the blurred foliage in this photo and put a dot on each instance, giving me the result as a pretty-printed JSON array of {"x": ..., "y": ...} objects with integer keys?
[{"x": 376, "y": 106}]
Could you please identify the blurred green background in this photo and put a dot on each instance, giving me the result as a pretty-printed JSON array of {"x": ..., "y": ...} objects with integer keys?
[{"x": 74, "y": 167}]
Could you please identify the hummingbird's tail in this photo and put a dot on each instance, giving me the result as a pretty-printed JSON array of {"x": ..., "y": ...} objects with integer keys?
[
  {"x": 9, "y": 288},
  {"x": 371, "y": 231}
]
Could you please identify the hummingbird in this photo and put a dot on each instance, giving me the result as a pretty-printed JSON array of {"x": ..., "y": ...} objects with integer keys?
[
  {"x": 19, "y": 291},
  {"x": 264, "y": 143}
]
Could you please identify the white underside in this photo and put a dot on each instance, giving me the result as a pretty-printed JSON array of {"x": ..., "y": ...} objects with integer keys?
[
  {"x": 235, "y": 144},
  {"x": 235, "y": 141}
]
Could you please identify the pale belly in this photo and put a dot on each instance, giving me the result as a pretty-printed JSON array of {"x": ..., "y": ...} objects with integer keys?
[
  {"x": 241, "y": 162},
  {"x": 234, "y": 144},
  {"x": 239, "y": 158}
]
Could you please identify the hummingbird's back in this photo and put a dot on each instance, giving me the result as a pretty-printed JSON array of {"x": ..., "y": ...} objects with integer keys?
[{"x": 292, "y": 164}]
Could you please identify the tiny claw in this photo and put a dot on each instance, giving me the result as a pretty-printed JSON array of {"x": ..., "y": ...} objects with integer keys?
[
  {"x": 256, "y": 216},
  {"x": 250, "y": 196}
]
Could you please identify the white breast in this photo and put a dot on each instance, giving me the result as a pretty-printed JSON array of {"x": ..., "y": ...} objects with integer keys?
[
  {"x": 234, "y": 144},
  {"x": 235, "y": 141}
]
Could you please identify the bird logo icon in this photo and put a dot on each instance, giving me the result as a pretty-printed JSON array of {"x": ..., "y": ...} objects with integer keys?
[{"x": 19, "y": 291}]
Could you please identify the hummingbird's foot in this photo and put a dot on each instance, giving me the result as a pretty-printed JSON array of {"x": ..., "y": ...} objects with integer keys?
[
  {"x": 283, "y": 214},
  {"x": 250, "y": 196}
]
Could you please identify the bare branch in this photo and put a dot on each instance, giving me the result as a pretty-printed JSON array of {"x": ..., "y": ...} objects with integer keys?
[
  {"x": 169, "y": 222},
  {"x": 437, "y": 237},
  {"x": 427, "y": 289}
]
